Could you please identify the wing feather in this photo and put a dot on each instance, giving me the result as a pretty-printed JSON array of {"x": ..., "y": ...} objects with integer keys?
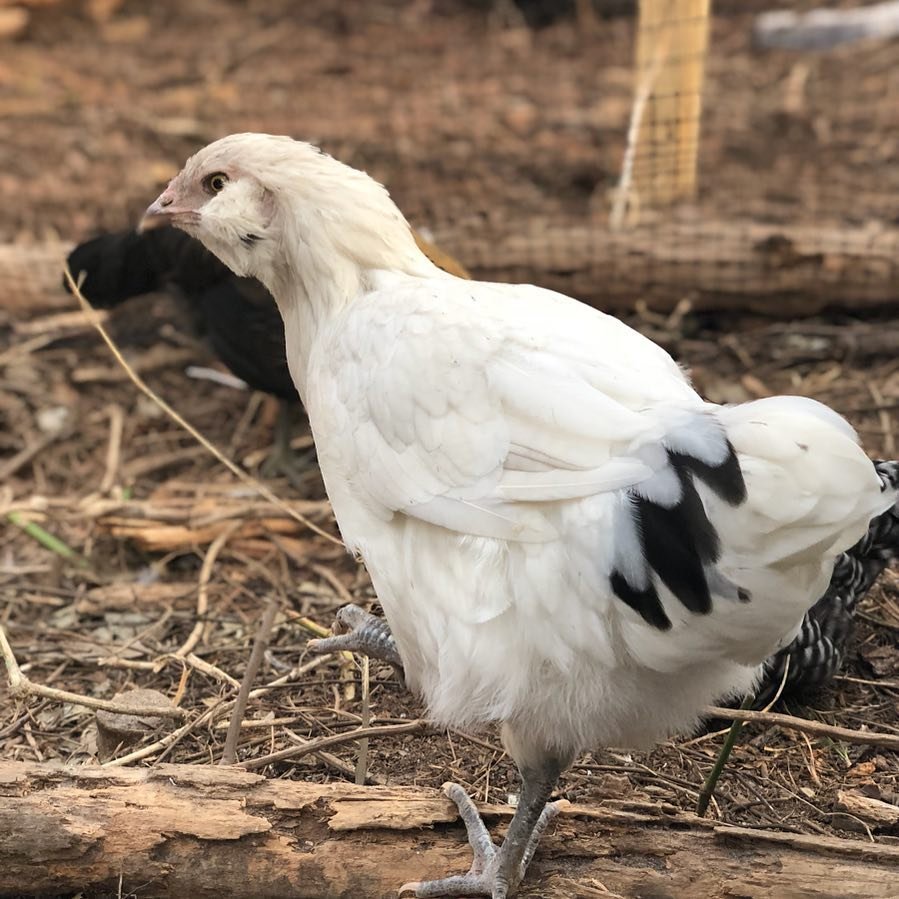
[{"x": 489, "y": 403}]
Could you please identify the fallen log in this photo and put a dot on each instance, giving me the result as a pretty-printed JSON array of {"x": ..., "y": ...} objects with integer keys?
[
  {"x": 184, "y": 830},
  {"x": 783, "y": 271},
  {"x": 777, "y": 270}
]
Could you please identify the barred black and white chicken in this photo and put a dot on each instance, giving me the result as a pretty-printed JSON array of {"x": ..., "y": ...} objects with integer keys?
[{"x": 819, "y": 650}]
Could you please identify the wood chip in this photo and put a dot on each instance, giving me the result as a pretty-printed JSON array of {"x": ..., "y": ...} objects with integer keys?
[
  {"x": 115, "y": 730},
  {"x": 862, "y": 810}
]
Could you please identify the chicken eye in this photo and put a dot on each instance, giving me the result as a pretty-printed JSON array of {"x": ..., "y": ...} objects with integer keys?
[{"x": 215, "y": 183}]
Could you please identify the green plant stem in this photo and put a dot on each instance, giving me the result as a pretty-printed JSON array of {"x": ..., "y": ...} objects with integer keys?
[
  {"x": 47, "y": 540},
  {"x": 708, "y": 788}
]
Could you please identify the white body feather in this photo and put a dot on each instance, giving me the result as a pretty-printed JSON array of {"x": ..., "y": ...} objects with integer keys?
[
  {"x": 479, "y": 443},
  {"x": 475, "y": 439}
]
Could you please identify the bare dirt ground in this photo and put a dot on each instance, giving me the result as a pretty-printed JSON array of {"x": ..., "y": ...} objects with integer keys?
[{"x": 473, "y": 121}]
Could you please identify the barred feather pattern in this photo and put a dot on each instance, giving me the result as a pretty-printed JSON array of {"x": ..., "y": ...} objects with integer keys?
[{"x": 819, "y": 649}]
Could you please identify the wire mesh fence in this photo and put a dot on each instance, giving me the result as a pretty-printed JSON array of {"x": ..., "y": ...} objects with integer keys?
[
  {"x": 660, "y": 153},
  {"x": 612, "y": 149}
]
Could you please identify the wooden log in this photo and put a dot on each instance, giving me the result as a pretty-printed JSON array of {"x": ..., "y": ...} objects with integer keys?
[
  {"x": 183, "y": 830},
  {"x": 31, "y": 275},
  {"x": 864, "y": 813},
  {"x": 784, "y": 271}
]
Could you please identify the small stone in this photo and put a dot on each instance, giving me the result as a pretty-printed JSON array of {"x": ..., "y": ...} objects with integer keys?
[
  {"x": 615, "y": 786},
  {"x": 53, "y": 419},
  {"x": 521, "y": 117},
  {"x": 883, "y": 660}
]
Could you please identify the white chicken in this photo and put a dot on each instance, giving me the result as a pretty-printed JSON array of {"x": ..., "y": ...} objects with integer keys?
[{"x": 565, "y": 538}]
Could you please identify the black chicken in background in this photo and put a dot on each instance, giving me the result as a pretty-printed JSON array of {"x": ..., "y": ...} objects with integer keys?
[{"x": 236, "y": 316}]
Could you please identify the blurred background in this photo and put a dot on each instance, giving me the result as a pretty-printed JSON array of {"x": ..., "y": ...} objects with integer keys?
[
  {"x": 724, "y": 181},
  {"x": 502, "y": 126}
]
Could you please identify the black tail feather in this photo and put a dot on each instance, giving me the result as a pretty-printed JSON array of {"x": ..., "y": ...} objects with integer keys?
[{"x": 679, "y": 542}]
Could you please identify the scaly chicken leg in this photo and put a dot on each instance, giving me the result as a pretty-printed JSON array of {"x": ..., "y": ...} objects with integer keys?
[
  {"x": 497, "y": 871},
  {"x": 359, "y": 631}
]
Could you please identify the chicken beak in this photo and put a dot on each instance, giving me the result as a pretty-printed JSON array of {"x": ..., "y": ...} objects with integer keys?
[
  {"x": 158, "y": 215},
  {"x": 165, "y": 211}
]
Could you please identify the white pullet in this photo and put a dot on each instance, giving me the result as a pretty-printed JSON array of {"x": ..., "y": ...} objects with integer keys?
[{"x": 564, "y": 536}]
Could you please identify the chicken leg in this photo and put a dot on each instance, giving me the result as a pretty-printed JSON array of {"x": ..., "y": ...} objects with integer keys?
[
  {"x": 497, "y": 871},
  {"x": 356, "y": 630},
  {"x": 282, "y": 459}
]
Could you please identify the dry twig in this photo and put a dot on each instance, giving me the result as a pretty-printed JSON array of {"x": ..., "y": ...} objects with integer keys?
[
  {"x": 708, "y": 786},
  {"x": 203, "y": 591},
  {"x": 334, "y": 762},
  {"x": 229, "y": 753},
  {"x": 20, "y": 685},
  {"x": 168, "y": 741},
  {"x": 417, "y": 726},
  {"x": 114, "y": 450},
  {"x": 25, "y": 455},
  {"x": 816, "y": 728},
  {"x": 362, "y": 761},
  {"x": 222, "y": 707}
]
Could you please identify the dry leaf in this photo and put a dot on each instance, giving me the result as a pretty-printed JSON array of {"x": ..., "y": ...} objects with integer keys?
[{"x": 883, "y": 660}]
